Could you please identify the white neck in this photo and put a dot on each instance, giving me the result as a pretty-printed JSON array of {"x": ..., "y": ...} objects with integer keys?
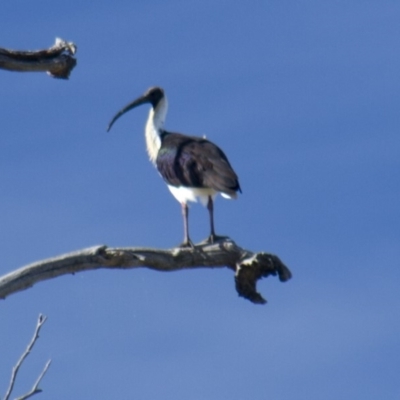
[{"x": 154, "y": 126}]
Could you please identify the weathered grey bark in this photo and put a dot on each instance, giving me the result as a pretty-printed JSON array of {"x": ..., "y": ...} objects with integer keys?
[
  {"x": 248, "y": 266},
  {"x": 57, "y": 61}
]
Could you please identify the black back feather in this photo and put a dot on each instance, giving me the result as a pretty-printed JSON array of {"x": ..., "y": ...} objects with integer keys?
[{"x": 195, "y": 162}]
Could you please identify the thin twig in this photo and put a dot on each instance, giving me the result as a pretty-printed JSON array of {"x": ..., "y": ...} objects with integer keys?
[
  {"x": 41, "y": 320},
  {"x": 35, "y": 389}
]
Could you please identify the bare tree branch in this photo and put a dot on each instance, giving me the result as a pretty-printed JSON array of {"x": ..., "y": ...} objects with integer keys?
[
  {"x": 248, "y": 266},
  {"x": 57, "y": 61},
  {"x": 35, "y": 389}
]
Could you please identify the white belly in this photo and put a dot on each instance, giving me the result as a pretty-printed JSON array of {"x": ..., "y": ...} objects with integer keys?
[{"x": 185, "y": 194}]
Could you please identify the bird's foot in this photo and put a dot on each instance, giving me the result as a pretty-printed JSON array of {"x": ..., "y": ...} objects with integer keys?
[
  {"x": 213, "y": 238},
  {"x": 187, "y": 244}
]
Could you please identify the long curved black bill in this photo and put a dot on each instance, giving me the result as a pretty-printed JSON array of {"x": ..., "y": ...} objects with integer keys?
[{"x": 135, "y": 103}]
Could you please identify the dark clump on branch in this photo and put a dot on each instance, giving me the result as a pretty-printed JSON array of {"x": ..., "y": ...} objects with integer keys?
[{"x": 250, "y": 270}]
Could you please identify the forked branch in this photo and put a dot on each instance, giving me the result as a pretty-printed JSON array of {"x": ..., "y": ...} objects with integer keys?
[
  {"x": 249, "y": 267},
  {"x": 57, "y": 61},
  {"x": 35, "y": 388}
]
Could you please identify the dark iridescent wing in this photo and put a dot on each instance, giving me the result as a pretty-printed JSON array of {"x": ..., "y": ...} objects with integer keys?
[{"x": 195, "y": 162}]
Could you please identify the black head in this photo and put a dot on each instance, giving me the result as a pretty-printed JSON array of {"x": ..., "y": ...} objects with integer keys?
[{"x": 152, "y": 95}]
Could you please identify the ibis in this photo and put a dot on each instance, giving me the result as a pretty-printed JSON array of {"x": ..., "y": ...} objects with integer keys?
[{"x": 193, "y": 167}]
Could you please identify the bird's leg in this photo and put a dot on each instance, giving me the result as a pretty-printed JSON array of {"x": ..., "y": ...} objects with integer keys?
[
  {"x": 186, "y": 240},
  {"x": 210, "y": 207},
  {"x": 213, "y": 237}
]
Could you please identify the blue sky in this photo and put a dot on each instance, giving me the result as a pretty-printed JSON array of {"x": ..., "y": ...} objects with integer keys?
[{"x": 303, "y": 97}]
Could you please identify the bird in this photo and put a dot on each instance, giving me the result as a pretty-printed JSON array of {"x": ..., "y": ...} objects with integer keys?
[{"x": 193, "y": 167}]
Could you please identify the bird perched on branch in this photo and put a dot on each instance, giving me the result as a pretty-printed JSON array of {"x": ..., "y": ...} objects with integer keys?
[{"x": 193, "y": 167}]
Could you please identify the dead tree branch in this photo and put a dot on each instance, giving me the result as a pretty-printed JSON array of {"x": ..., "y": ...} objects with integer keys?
[
  {"x": 35, "y": 389},
  {"x": 249, "y": 267},
  {"x": 57, "y": 61}
]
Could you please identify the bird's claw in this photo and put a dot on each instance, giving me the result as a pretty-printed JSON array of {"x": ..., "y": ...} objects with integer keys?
[
  {"x": 187, "y": 244},
  {"x": 214, "y": 239}
]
